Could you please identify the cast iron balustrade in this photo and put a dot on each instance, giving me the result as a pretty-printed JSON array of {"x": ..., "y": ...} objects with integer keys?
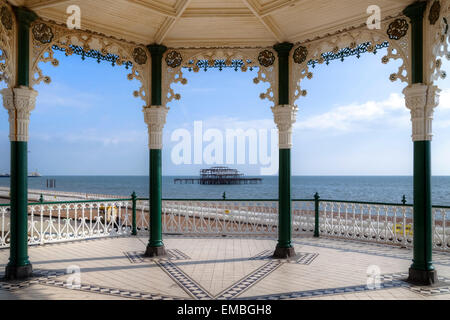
[{"x": 386, "y": 223}]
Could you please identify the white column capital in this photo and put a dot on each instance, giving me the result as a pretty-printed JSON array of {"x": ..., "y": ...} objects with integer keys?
[
  {"x": 19, "y": 102},
  {"x": 285, "y": 116},
  {"x": 421, "y": 100},
  {"x": 155, "y": 118}
]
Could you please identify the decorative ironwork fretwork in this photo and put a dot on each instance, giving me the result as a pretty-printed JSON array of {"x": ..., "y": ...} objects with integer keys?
[
  {"x": 266, "y": 58},
  {"x": 174, "y": 59},
  {"x": 219, "y": 64},
  {"x": 140, "y": 56},
  {"x": 348, "y": 52},
  {"x": 6, "y": 18},
  {"x": 398, "y": 29},
  {"x": 42, "y": 33},
  {"x": 94, "y": 54},
  {"x": 435, "y": 12},
  {"x": 300, "y": 54}
]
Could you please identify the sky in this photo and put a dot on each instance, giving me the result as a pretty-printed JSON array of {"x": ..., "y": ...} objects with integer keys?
[{"x": 352, "y": 122}]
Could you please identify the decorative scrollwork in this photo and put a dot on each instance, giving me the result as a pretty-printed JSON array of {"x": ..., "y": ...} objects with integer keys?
[
  {"x": 351, "y": 50},
  {"x": 6, "y": 18},
  {"x": 300, "y": 55},
  {"x": 139, "y": 56},
  {"x": 42, "y": 33},
  {"x": 7, "y": 44},
  {"x": 266, "y": 58},
  {"x": 205, "y": 59},
  {"x": 435, "y": 12},
  {"x": 174, "y": 59},
  {"x": 49, "y": 37},
  {"x": 353, "y": 42},
  {"x": 398, "y": 29}
]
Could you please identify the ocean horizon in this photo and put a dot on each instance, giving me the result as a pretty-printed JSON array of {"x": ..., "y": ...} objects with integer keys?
[{"x": 352, "y": 188}]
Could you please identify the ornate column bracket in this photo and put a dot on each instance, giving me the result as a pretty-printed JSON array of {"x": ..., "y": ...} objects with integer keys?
[
  {"x": 285, "y": 116},
  {"x": 421, "y": 100},
  {"x": 155, "y": 118},
  {"x": 19, "y": 102}
]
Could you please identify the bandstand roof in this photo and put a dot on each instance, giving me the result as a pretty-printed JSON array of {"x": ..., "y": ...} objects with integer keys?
[{"x": 213, "y": 23}]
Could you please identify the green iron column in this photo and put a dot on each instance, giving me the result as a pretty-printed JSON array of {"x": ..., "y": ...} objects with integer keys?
[
  {"x": 20, "y": 101},
  {"x": 155, "y": 117},
  {"x": 284, "y": 116},
  {"x": 421, "y": 99}
]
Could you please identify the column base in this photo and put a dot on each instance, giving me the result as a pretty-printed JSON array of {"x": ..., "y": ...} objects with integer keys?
[
  {"x": 422, "y": 277},
  {"x": 283, "y": 253},
  {"x": 155, "y": 251},
  {"x": 18, "y": 273}
]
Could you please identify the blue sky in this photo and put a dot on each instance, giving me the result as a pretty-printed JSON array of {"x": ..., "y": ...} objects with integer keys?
[{"x": 353, "y": 121}]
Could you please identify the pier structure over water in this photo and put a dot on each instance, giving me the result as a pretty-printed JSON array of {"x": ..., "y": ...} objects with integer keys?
[{"x": 219, "y": 176}]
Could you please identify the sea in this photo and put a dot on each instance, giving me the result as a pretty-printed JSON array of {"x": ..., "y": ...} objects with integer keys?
[{"x": 352, "y": 188}]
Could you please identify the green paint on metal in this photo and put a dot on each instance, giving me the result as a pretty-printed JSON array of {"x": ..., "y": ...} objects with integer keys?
[
  {"x": 19, "y": 205},
  {"x": 316, "y": 215},
  {"x": 423, "y": 234},
  {"x": 133, "y": 200},
  {"x": 24, "y": 19},
  {"x": 416, "y": 13},
  {"x": 284, "y": 176},
  {"x": 283, "y": 50},
  {"x": 156, "y": 52},
  {"x": 155, "y": 199},
  {"x": 284, "y": 193}
]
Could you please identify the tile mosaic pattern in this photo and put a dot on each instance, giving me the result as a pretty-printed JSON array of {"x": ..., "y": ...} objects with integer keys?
[
  {"x": 49, "y": 278},
  {"x": 439, "y": 258},
  {"x": 304, "y": 258},
  {"x": 139, "y": 257},
  {"x": 244, "y": 284},
  {"x": 184, "y": 281},
  {"x": 235, "y": 268},
  {"x": 386, "y": 281}
]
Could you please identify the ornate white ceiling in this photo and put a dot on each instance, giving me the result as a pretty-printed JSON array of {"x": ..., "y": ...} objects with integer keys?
[{"x": 210, "y": 23}]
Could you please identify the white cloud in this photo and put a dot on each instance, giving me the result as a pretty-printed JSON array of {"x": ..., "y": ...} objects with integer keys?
[
  {"x": 232, "y": 123},
  {"x": 355, "y": 117},
  {"x": 444, "y": 99},
  {"x": 59, "y": 95},
  {"x": 98, "y": 137}
]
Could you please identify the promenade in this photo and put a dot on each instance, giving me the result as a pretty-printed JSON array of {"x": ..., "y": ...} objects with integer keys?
[{"x": 222, "y": 268}]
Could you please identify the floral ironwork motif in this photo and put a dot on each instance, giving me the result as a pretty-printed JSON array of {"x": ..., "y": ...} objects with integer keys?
[
  {"x": 435, "y": 12},
  {"x": 6, "y": 18},
  {"x": 99, "y": 56},
  {"x": 174, "y": 59},
  {"x": 398, "y": 29},
  {"x": 43, "y": 33},
  {"x": 352, "y": 50},
  {"x": 266, "y": 58},
  {"x": 139, "y": 56},
  {"x": 300, "y": 54}
]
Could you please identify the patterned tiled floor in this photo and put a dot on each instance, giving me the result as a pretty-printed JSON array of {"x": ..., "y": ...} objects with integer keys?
[{"x": 198, "y": 268}]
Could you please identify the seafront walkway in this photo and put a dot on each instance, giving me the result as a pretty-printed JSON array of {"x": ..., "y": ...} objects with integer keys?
[{"x": 199, "y": 268}]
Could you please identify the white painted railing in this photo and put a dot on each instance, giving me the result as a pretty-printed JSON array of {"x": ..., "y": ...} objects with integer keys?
[
  {"x": 58, "y": 222},
  {"x": 220, "y": 217},
  {"x": 381, "y": 223}
]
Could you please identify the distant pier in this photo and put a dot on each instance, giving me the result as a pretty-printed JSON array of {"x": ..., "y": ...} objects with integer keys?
[{"x": 219, "y": 176}]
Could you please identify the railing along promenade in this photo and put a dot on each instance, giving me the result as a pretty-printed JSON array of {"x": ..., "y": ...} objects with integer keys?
[{"x": 387, "y": 223}]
